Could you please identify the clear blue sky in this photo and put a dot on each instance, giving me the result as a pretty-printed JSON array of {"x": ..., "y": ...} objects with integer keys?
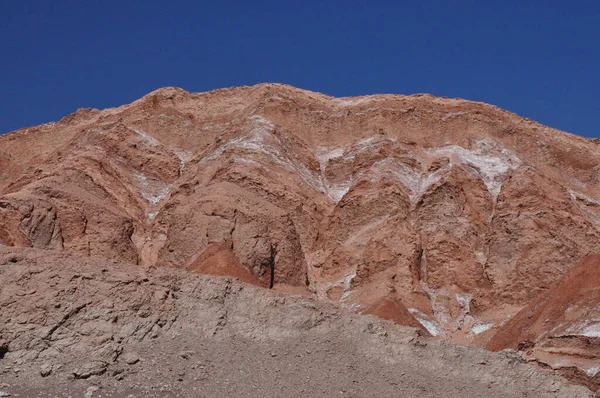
[{"x": 540, "y": 59}]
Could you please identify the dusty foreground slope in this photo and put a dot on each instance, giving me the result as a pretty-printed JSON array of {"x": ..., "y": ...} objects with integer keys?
[{"x": 70, "y": 323}]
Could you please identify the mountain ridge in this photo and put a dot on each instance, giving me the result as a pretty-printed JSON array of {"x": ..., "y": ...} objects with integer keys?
[{"x": 455, "y": 212}]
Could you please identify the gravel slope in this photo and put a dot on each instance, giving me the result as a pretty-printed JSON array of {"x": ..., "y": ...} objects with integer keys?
[{"x": 86, "y": 322}]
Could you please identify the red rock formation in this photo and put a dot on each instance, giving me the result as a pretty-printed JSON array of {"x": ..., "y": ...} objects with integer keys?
[
  {"x": 218, "y": 260},
  {"x": 561, "y": 327},
  {"x": 463, "y": 211},
  {"x": 392, "y": 309}
]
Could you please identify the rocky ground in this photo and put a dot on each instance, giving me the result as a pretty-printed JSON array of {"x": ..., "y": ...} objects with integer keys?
[{"x": 71, "y": 325}]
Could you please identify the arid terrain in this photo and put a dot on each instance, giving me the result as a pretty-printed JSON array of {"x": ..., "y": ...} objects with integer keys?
[
  {"x": 71, "y": 323},
  {"x": 461, "y": 223}
]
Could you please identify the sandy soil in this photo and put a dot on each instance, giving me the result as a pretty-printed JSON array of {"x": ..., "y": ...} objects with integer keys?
[{"x": 70, "y": 323}]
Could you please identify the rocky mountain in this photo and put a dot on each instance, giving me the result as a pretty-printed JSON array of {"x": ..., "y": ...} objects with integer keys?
[{"x": 439, "y": 213}]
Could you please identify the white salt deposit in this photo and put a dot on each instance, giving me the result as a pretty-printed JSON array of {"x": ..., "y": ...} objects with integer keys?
[
  {"x": 480, "y": 257},
  {"x": 429, "y": 324},
  {"x": 481, "y": 327},
  {"x": 464, "y": 300},
  {"x": 437, "y": 299},
  {"x": 592, "y": 330},
  {"x": 353, "y": 101},
  {"x": 325, "y": 154},
  {"x": 152, "y": 189},
  {"x": 335, "y": 191},
  {"x": 487, "y": 160},
  {"x": 345, "y": 282},
  {"x": 261, "y": 141},
  {"x": 214, "y": 126},
  {"x": 184, "y": 159},
  {"x": 593, "y": 371},
  {"x": 144, "y": 137},
  {"x": 586, "y": 205}
]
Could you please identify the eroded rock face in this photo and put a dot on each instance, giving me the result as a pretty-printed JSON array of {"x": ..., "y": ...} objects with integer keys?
[
  {"x": 561, "y": 327},
  {"x": 30, "y": 223},
  {"x": 458, "y": 210}
]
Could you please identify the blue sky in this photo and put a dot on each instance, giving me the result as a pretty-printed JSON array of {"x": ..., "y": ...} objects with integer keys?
[{"x": 539, "y": 59}]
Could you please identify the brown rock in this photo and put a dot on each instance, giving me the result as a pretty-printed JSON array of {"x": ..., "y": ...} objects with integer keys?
[
  {"x": 45, "y": 370},
  {"x": 131, "y": 358}
]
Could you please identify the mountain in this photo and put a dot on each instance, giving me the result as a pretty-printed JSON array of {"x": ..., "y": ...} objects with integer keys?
[{"x": 450, "y": 213}]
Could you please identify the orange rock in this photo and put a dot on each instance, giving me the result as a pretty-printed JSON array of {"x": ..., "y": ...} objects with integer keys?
[
  {"x": 393, "y": 310},
  {"x": 218, "y": 260}
]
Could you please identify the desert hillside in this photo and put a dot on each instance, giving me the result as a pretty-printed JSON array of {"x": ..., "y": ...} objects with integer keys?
[{"x": 445, "y": 215}]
